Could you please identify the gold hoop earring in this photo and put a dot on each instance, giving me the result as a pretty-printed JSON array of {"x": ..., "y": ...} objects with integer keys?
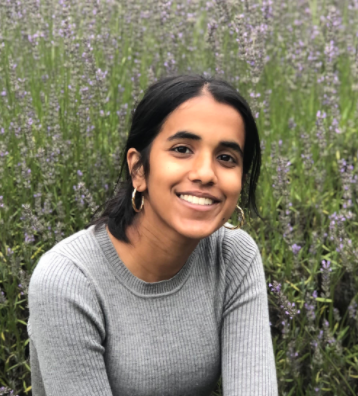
[
  {"x": 133, "y": 202},
  {"x": 242, "y": 221}
]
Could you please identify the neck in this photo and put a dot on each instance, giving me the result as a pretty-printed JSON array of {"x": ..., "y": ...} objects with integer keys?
[{"x": 157, "y": 253}]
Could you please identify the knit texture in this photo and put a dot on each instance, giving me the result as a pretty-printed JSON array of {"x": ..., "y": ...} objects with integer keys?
[{"x": 96, "y": 329}]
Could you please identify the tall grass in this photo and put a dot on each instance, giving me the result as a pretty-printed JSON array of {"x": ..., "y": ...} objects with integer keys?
[{"x": 71, "y": 73}]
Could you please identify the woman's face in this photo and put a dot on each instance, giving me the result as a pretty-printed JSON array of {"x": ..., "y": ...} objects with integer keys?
[{"x": 190, "y": 166}]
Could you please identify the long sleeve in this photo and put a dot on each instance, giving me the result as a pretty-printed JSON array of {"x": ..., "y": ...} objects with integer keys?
[
  {"x": 66, "y": 331},
  {"x": 248, "y": 364},
  {"x": 37, "y": 385}
]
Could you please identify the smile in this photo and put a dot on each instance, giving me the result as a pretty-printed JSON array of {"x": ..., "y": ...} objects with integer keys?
[
  {"x": 196, "y": 200},
  {"x": 198, "y": 203}
]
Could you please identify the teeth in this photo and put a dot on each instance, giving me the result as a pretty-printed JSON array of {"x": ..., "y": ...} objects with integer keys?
[{"x": 197, "y": 200}]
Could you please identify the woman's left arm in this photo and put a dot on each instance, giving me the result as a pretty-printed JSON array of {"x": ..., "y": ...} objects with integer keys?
[{"x": 248, "y": 362}]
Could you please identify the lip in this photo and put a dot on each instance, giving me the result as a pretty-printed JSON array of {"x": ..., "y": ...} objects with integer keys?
[
  {"x": 201, "y": 208},
  {"x": 199, "y": 194}
]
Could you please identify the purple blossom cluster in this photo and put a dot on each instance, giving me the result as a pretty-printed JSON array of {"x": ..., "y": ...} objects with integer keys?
[
  {"x": 289, "y": 309},
  {"x": 4, "y": 390},
  {"x": 342, "y": 242},
  {"x": 310, "y": 308},
  {"x": 325, "y": 270}
]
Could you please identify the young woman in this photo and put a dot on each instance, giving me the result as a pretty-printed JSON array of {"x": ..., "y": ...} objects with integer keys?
[{"x": 160, "y": 296}]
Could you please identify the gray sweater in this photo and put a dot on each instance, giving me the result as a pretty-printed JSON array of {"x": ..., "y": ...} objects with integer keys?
[{"x": 96, "y": 329}]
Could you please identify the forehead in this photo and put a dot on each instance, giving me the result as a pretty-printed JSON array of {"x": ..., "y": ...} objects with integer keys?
[{"x": 204, "y": 115}]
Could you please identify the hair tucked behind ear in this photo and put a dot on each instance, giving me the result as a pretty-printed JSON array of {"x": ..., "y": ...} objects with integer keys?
[{"x": 158, "y": 102}]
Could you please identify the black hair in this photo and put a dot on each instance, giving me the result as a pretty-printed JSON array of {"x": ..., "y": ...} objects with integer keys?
[{"x": 159, "y": 101}]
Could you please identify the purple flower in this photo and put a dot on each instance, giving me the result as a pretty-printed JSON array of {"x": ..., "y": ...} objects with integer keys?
[
  {"x": 296, "y": 248},
  {"x": 326, "y": 265}
]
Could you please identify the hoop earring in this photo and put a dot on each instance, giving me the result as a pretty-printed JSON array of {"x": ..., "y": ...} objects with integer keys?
[
  {"x": 242, "y": 221},
  {"x": 133, "y": 203}
]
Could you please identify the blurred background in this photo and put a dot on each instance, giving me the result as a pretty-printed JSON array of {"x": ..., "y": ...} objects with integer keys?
[{"x": 71, "y": 74}]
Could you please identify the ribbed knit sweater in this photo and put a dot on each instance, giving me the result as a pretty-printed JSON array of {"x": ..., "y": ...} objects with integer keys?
[{"x": 95, "y": 329}]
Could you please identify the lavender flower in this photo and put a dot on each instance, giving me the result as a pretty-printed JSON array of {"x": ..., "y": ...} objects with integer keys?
[
  {"x": 353, "y": 310},
  {"x": 287, "y": 307},
  {"x": 82, "y": 196},
  {"x": 296, "y": 249},
  {"x": 280, "y": 191},
  {"x": 343, "y": 243},
  {"x": 293, "y": 358},
  {"x": 307, "y": 154},
  {"x": 326, "y": 278}
]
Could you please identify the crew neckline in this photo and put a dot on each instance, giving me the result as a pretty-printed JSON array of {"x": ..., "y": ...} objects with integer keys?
[{"x": 135, "y": 284}]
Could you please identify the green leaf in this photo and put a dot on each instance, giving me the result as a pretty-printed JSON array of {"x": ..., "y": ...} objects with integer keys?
[
  {"x": 342, "y": 333},
  {"x": 320, "y": 299}
]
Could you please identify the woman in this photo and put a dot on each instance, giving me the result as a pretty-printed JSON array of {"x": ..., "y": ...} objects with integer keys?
[{"x": 158, "y": 296}]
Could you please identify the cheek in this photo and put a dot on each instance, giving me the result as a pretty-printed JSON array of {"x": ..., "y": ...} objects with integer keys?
[
  {"x": 164, "y": 175},
  {"x": 231, "y": 184},
  {"x": 166, "y": 171}
]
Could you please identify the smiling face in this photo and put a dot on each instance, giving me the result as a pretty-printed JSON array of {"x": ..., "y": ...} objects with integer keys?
[{"x": 194, "y": 165}]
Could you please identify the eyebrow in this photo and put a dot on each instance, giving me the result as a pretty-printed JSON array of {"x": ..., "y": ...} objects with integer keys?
[{"x": 189, "y": 135}]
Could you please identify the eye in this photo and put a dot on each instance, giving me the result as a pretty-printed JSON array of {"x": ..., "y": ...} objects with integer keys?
[
  {"x": 229, "y": 156},
  {"x": 182, "y": 150},
  {"x": 182, "y": 147}
]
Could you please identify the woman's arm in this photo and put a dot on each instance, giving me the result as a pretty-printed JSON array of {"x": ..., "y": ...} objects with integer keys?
[
  {"x": 248, "y": 363},
  {"x": 66, "y": 331}
]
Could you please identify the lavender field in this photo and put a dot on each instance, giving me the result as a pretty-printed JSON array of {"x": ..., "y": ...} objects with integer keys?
[{"x": 71, "y": 73}]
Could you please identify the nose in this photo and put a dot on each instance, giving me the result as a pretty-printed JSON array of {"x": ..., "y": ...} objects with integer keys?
[{"x": 203, "y": 169}]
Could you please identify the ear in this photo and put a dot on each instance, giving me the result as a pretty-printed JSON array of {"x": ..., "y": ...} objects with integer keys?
[{"x": 138, "y": 179}]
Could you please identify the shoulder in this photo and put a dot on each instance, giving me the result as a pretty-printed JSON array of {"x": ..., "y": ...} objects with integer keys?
[
  {"x": 238, "y": 249},
  {"x": 61, "y": 267},
  {"x": 65, "y": 256},
  {"x": 59, "y": 291},
  {"x": 53, "y": 274},
  {"x": 239, "y": 242},
  {"x": 58, "y": 282},
  {"x": 78, "y": 238},
  {"x": 234, "y": 243}
]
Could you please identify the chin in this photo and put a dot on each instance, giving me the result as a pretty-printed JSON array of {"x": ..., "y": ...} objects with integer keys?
[{"x": 198, "y": 231}]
